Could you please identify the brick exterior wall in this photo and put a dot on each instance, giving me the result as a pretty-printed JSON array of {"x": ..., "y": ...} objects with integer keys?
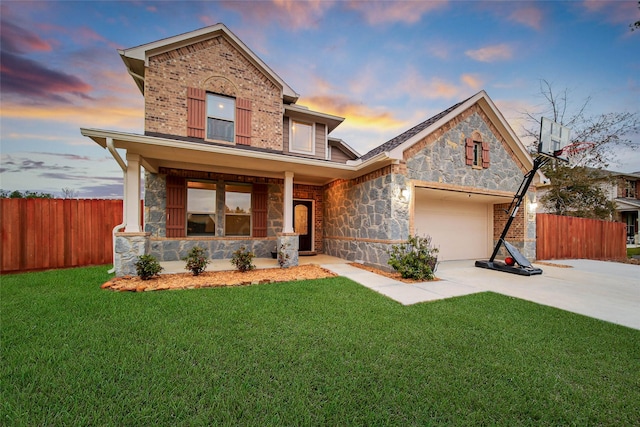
[{"x": 216, "y": 66}]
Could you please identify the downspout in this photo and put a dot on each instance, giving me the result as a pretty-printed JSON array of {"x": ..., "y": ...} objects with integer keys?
[{"x": 123, "y": 166}]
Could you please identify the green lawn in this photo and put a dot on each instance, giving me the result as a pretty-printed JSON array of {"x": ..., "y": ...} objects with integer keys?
[{"x": 325, "y": 352}]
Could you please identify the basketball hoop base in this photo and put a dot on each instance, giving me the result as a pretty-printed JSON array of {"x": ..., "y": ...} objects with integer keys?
[{"x": 501, "y": 266}]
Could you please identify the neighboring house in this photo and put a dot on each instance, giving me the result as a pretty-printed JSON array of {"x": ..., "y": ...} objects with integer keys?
[
  {"x": 624, "y": 190},
  {"x": 231, "y": 160}
]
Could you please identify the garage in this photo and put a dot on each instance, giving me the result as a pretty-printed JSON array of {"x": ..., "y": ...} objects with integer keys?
[{"x": 460, "y": 224}]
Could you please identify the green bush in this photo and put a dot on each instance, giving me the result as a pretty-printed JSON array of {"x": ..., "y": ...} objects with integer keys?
[
  {"x": 197, "y": 260},
  {"x": 414, "y": 259},
  {"x": 243, "y": 259},
  {"x": 147, "y": 267}
]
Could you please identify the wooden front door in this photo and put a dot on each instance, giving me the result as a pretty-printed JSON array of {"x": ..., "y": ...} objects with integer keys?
[{"x": 303, "y": 223}]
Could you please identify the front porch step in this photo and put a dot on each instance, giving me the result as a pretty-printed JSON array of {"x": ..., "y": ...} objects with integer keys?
[{"x": 307, "y": 253}]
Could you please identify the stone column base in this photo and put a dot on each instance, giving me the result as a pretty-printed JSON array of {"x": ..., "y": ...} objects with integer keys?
[
  {"x": 128, "y": 247},
  {"x": 287, "y": 249}
]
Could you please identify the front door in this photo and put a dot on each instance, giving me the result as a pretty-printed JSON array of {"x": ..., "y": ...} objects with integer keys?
[{"x": 302, "y": 223}]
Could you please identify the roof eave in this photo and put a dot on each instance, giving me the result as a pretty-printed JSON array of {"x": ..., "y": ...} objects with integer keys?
[
  {"x": 138, "y": 57},
  {"x": 144, "y": 144}
]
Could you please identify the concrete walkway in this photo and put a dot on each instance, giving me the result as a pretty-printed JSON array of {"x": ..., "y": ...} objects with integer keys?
[{"x": 604, "y": 290}]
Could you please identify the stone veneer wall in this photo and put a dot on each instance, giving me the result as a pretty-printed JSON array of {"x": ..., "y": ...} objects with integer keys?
[
  {"x": 216, "y": 247},
  {"x": 440, "y": 157},
  {"x": 216, "y": 66},
  {"x": 155, "y": 204},
  {"x": 128, "y": 247},
  {"x": 365, "y": 216}
]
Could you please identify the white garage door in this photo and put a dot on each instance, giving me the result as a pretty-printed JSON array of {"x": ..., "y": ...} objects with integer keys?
[{"x": 460, "y": 227}]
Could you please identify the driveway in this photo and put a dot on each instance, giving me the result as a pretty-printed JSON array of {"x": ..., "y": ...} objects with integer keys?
[{"x": 604, "y": 290}]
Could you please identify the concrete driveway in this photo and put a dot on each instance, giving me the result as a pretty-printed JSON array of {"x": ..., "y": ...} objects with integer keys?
[{"x": 604, "y": 290}]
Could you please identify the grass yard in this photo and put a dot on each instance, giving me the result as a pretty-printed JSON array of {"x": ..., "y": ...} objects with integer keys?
[{"x": 323, "y": 352}]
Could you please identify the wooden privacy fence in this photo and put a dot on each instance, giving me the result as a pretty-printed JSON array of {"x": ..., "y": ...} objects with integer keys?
[
  {"x": 42, "y": 234},
  {"x": 566, "y": 237}
]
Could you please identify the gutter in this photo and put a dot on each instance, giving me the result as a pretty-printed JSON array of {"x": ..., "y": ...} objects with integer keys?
[{"x": 123, "y": 166}]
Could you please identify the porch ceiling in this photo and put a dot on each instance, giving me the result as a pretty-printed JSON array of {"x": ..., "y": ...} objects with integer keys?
[{"x": 163, "y": 152}]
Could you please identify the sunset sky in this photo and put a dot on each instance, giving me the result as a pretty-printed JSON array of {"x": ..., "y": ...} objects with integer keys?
[{"x": 384, "y": 66}]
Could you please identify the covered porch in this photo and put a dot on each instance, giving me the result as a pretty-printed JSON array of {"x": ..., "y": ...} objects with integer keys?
[{"x": 276, "y": 185}]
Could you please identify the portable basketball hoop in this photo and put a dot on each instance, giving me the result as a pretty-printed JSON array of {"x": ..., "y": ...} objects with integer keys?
[{"x": 554, "y": 145}]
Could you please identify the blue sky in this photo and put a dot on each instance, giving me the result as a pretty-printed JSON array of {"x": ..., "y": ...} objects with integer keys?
[{"x": 384, "y": 66}]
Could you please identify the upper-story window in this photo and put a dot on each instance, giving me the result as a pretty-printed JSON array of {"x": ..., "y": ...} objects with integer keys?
[
  {"x": 302, "y": 138},
  {"x": 220, "y": 117},
  {"x": 630, "y": 189},
  {"x": 477, "y": 153}
]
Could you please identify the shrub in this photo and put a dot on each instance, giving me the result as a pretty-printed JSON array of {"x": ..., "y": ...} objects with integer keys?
[
  {"x": 414, "y": 259},
  {"x": 147, "y": 267},
  {"x": 243, "y": 259},
  {"x": 197, "y": 260}
]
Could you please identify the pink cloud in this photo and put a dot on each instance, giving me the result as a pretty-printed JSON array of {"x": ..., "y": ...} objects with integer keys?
[
  {"x": 529, "y": 16},
  {"x": 287, "y": 13},
  {"x": 498, "y": 52},
  {"x": 616, "y": 12},
  {"x": 30, "y": 79},
  {"x": 409, "y": 12},
  {"x": 16, "y": 39},
  {"x": 415, "y": 85}
]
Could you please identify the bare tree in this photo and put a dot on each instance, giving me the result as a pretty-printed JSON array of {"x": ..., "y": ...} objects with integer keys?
[
  {"x": 599, "y": 134},
  {"x": 69, "y": 193},
  {"x": 577, "y": 189}
]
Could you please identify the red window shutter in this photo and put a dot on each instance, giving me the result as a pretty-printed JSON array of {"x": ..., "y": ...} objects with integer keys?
[
  {"x": 259, "y": 200},
  {"x": 485, "y": 154},
  {"x": 196, "y": 113},
  {"x": 469, "y": 151},
  {"x": 176, "y": 206},
  {"x": 243, "y": 121}
]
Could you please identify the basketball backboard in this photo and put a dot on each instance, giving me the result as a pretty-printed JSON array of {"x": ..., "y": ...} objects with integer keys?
[{"x": 553, "y": 139}]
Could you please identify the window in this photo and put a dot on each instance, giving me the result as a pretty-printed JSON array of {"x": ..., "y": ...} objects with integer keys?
[
  {"x": 302, "y": 138},
  {"x": 477, "y": 153},
  {"x": 201, "y": 208},
  {"x": 220, "y": 117},
  {"x": 630, "y": 189},
  {"x": 237, "y": 210}
]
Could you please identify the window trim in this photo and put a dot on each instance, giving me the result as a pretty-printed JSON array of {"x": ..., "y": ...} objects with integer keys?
[
  {"x": 206, "y": 118},
  {"x": 292, "y": 122}
]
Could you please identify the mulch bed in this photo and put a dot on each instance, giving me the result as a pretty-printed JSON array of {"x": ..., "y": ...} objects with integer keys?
[{"x": 213, "y": 279}]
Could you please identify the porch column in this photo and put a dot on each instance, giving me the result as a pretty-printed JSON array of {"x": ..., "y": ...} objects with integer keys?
[
  {"x": 288, "y": 203},
  {"x": 132, "y": 194}
]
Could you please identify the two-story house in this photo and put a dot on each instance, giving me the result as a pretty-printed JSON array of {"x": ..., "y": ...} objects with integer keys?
[
  {"x": 625, "y": 192},
  {"x": 230, "y": 159}
]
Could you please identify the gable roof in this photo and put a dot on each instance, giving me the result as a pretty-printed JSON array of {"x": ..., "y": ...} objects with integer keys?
[
  {"x": 395, "y": 147},
  {"x": 137, "y": 58}
]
